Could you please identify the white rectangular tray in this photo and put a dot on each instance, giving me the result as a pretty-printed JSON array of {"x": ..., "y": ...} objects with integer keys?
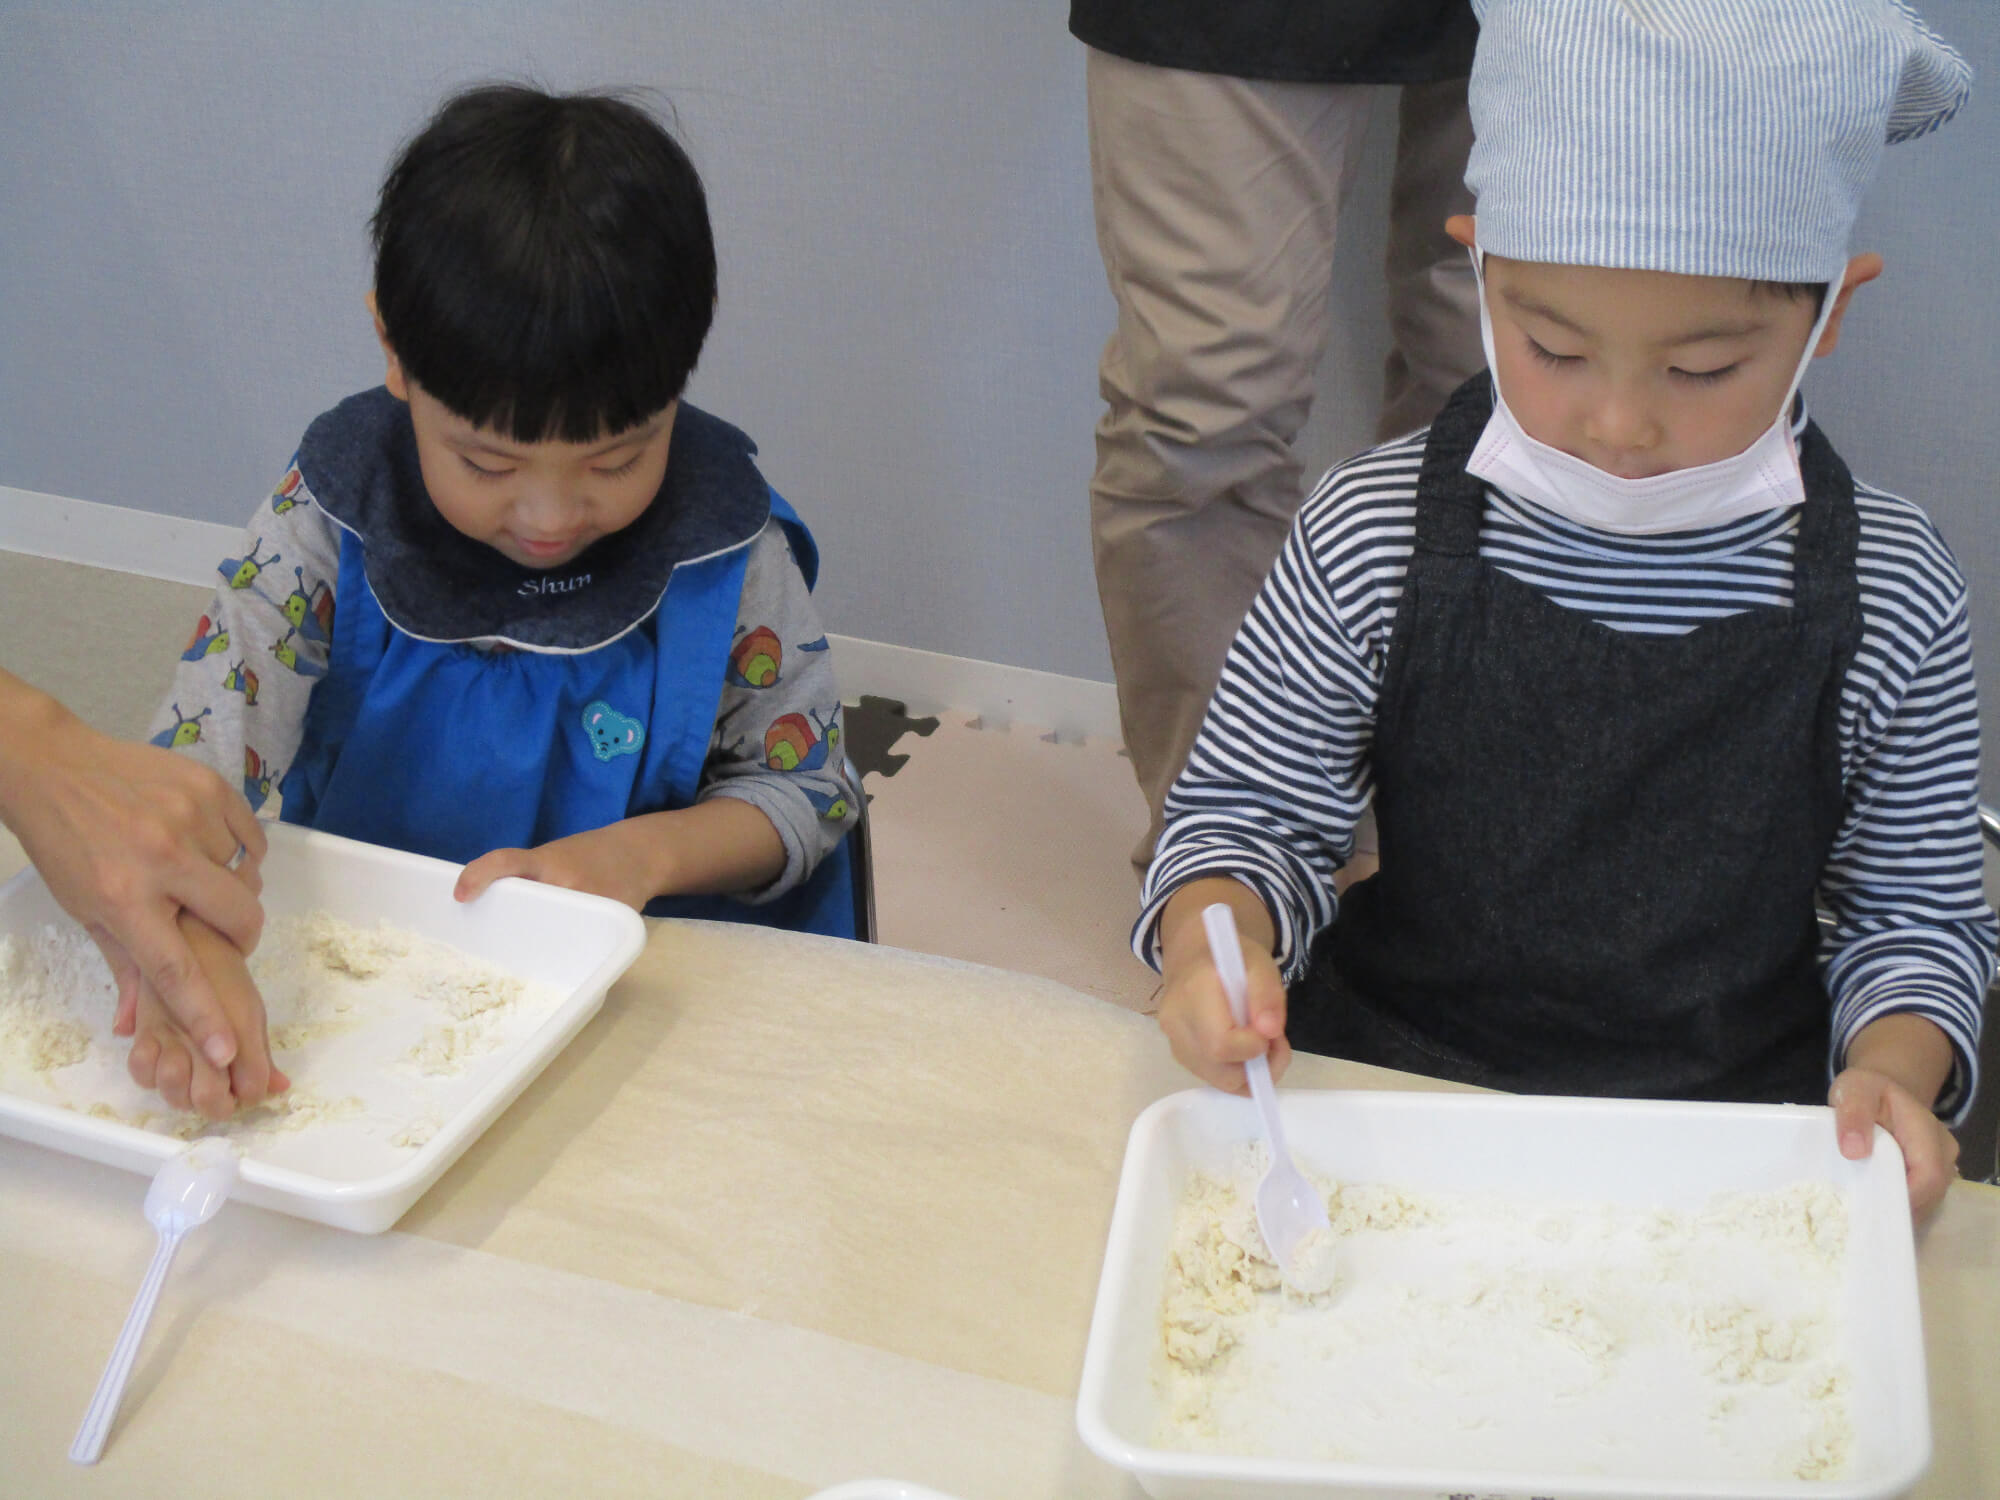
[
  {"x": 339, "y": 1172},
  {"x": 1643, "y": 1153}
]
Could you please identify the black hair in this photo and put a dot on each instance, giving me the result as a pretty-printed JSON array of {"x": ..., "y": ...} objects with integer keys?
[
  {"x": 1791, "y": 291},
  {"x": 543, "y": 262}
]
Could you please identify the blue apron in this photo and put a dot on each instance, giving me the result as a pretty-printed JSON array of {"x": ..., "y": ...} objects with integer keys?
[{"x": 449, "y": 750}]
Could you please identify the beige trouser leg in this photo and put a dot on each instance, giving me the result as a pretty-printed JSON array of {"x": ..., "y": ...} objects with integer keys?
[
  {"x": 1433, "y": 297},
  {"x": 1216, "y": 203}
]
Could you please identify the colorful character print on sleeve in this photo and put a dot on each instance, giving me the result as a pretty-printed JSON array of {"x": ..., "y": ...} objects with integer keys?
[
  {"x": 185, "y": 731},
  {"x": 208, "y": 639},
  {"x": 289, "y": 658},
  {"x": 755, "y": 660},
  {"x": 241, "y": 572},
  {"x": 240, "y": 679},
  {"x": 801, "y": 742},
  {"x": 286, "y": 495},
  {"x": 832, "y": 807},
  {"x": 258, "y": 779},
  {"x": 309, "y": 608}
]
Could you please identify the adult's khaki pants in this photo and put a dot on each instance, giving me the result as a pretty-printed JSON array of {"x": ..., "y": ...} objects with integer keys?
[{"x": 1217, "y": 202}]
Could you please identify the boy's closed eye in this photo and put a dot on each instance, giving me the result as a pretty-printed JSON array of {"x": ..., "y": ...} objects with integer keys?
[
  {"x": 1706, "y": 377},
  {"x": 1546, "y": 356},
  {"x": 1549, "y": 357}
]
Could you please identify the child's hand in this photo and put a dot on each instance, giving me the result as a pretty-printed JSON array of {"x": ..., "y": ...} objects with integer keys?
[
  {"x": 718, "y": 845},
  {"x": 1896, "y": 1066},
  {"x": 600, "y": 862},
  {"x": 164, "y": 1056},
  {"x": 1862, "y": 1099},
  {"x": 1194, "y": 1012}
]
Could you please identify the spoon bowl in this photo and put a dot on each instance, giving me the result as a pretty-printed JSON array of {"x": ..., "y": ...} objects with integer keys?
[{"x": 1291, "y": 1214}]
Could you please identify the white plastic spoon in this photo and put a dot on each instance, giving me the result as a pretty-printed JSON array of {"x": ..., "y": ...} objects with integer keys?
[
  {"x": 186, "y": 1191},
  {"x": 1290, "y": 1211}
]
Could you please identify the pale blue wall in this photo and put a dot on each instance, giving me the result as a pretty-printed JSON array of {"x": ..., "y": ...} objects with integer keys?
[{"x": 912, "y": 303}]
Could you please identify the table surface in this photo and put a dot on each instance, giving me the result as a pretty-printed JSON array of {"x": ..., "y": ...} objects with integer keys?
[{"x": 789, "y": 1212}]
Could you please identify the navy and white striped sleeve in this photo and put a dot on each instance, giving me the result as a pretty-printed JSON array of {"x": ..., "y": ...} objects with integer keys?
[
  {"x": 1280, "y": 772},
  {"x": 1903, "y": 881}
]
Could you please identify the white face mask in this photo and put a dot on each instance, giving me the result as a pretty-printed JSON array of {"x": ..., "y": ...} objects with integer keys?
[{"x": 1764, "y": 476}]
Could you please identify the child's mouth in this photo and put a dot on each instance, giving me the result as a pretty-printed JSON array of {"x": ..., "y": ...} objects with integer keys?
[{"x": 545, "y": 551}]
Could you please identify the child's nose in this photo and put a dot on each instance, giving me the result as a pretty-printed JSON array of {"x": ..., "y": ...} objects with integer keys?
[
  {"x": 546, "y": 507},
  {"x": 1622, "y": 423}
]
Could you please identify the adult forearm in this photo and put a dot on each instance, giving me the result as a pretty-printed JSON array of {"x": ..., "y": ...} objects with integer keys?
[{"x": 30, "y": 722}]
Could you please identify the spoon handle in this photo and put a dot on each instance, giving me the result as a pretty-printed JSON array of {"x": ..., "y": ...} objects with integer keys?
[
  {"x": 1227, "y": 950},
  {"x": 97, "y": 1421}
]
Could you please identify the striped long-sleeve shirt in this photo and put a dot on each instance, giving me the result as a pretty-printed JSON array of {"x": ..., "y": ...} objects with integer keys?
[{"x": 1281, "y": 770}]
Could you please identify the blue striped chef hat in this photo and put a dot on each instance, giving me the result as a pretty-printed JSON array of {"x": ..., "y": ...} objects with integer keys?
[{"x": 1711, "y": 137}]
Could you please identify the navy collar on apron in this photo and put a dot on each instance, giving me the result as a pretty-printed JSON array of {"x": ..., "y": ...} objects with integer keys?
[
  {"x": 1599, "y": 848},
  {"x": 434, "y": 583}
]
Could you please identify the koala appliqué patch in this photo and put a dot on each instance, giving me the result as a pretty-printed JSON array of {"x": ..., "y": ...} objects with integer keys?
[{"x": 612, "y": 733}]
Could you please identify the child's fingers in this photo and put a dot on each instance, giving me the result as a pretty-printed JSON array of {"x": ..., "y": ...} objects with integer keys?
[
  {"x": 1858, "y": 1106},
  {"x": 142, "y": 1062},
  {"x": 209, "y": 1089},
  {"x": 1861, "y": 1100},
  {"x": 1265, "y": 994},
  {"x": 1930, "y": 1151},
  {"x": 253, "y": 1084},
  {"x": 174, "y": 1073},
  {"x": 496, "y": 865},
  {"x": 1206, "y": 1040},
  {"x": 1281, "y": 1058},
  {"x": 252, "y": 1074}
]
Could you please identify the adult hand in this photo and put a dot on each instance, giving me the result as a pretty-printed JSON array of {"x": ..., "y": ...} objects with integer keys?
[
  {"x": 127, "y": 836},
  {"x": 164, "y": 1057}
]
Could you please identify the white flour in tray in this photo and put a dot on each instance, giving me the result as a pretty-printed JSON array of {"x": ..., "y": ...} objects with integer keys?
[
  {"x": 1515, "y": 1334},
  {"x": 322, "y": 979}
]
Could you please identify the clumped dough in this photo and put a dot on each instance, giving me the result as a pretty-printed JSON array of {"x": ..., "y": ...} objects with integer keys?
[
  {"x": 321, "y": 978},
  {"x": 49, "y": 981},
  {"x": 1468, "y": 1329}
]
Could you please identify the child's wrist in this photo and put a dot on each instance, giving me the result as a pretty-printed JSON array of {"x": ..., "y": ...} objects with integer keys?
[
  {"x": 648, "y": 843},
  {"x": 1183, "y": 937},
  {"x": 1909, "y": 1049}
]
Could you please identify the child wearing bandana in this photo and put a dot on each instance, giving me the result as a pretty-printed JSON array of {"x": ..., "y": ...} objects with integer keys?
[
  {"x": 522, "y": 607},
  {"x": 1631, "y": 667}
]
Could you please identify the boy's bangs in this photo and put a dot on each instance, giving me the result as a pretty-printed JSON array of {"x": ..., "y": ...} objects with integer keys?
[{"x": 572, "y": 371}]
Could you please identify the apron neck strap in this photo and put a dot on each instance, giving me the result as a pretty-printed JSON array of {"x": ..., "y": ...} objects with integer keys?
[{"x": 1450, "y": 501}]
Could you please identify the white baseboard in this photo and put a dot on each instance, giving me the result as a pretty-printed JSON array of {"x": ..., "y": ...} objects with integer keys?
[
  {"x": 114, "y": 536},
  {"x": 182, "y": 551}
]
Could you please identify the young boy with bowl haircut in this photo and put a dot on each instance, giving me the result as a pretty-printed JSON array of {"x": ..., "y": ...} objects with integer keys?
[
  {"x": 1630, "y": 666},
  {"x": 522, "y": 607}
]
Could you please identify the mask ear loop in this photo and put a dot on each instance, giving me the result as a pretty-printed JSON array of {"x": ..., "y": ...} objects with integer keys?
[{"x": 1827, "y": 300}]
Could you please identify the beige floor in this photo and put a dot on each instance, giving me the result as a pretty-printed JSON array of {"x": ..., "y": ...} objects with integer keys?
[{"x": 992, "y": 845}]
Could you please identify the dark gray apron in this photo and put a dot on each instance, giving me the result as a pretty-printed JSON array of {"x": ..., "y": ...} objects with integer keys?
[{"x": 1599, "y": 849}]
